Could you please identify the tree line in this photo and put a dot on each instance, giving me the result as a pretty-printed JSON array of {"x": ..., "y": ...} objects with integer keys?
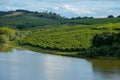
[
  {"x": 86, "y": 17},
  {"x": 106, "y": 44},
  {"x": 51, "y": 15}
]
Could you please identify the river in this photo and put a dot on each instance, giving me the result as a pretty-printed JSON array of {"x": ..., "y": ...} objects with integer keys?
[{"x": 28, "y": 65}]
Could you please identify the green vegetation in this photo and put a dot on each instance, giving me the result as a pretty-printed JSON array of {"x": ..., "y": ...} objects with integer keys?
[
  {"x": 5, "y": 48},
  {"x": 110, "y": 16},
  {"x": 92, "y": 21},
  {"x": 105, "y": 44},
  {"x": 6, "y": 35},
  {"x": 23, "y": 19},
  {"x": 51, "y": 33},
  {"x": 77, "y": 39}
]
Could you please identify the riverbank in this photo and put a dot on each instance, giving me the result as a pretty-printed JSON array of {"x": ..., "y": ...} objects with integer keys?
[{"x": 55, "y": 52}]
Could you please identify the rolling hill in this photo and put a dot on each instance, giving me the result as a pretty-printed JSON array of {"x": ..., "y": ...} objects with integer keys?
[
  {"x": 50, "y": 31},
  {"x": 23, "y": 19}
]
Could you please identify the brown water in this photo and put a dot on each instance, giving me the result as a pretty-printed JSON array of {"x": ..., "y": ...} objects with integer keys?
[
  {"x": 106, "y": 69},
  {"x": 28, "y": 65}
]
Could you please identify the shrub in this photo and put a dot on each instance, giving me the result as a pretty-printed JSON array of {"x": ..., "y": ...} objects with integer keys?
[{"x": 4, "y": 39}]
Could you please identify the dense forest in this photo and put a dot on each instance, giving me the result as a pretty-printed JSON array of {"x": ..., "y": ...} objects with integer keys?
[
  {"x": 105, "y": 44},
  {"x": 85, "y": 36}
]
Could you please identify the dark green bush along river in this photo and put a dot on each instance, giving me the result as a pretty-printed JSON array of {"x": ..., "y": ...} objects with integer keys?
[{"x": 28, "y": 65}]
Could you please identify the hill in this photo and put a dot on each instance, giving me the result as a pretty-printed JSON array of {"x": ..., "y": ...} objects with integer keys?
[
  {"x": 67, "y": 38},
  {"x": 48, "y": 31},
  {"x": 24, "y": 19}
]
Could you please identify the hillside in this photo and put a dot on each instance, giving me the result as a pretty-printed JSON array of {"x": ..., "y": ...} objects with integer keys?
[
  {"x": 66, "y": 38},
  {"x": 49, "y": 31},
  {"x": 23, "y": 19}
]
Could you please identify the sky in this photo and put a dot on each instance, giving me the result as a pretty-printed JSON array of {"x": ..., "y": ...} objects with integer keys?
[{"x": 68, "y": 8}]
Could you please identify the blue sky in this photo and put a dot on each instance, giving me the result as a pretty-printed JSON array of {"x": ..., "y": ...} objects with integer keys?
[{"x": 68, "y": 8}]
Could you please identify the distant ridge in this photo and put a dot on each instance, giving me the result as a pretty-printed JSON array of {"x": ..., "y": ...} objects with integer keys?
[{"x": 24, "y": 19}]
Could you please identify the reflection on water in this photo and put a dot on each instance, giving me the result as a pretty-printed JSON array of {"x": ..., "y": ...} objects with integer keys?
[
  {"x": 28, "y": 65},
  {"x": 5, "y": 48},
  {"x": 106, "y": 65},
  {"x": 106, "y": 69}
]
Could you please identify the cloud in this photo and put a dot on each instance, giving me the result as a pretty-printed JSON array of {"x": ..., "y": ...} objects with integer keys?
[
  {"x": 67, "y": 8},
  {"x": 115, "y": 8},
  {"x": 4, "y": 6},
  {"x": 76, "y": 10},
  {"x": 56, "y": 8}
]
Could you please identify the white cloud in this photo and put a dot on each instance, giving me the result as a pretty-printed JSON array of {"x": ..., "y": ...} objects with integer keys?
[
  {"x": 78, "y": 10},
  {"x": 67, "y": 8},
  {"x": 56, "y": 8}
]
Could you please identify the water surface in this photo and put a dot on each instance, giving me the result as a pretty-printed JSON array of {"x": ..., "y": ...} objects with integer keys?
[{"x": 28, "y": 65}]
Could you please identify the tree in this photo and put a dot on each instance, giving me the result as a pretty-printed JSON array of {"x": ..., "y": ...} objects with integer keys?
[
  {"x": 4, "y": 39},
  {"x": 106, "y": 44},
  {"x": 118, "y": 16},
  {"x": 21, "y": 10},
  {"x": 85, "y": 17},
  {"x": 78, "y": 17},
  {"x": 6, "y": 35},
  {"x": 5, "y": 31},
  {"x": 110, "y": 16},
  {"x": 91, "y": 17}
]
